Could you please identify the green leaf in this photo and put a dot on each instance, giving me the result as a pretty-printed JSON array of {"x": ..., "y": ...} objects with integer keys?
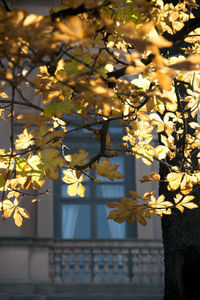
[{"x": 58, "y": 109}]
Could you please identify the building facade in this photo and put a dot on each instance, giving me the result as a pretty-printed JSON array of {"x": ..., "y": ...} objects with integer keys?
[{"x": 68, "y": 245}]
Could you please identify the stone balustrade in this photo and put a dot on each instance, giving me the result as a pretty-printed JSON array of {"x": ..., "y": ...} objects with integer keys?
[{"x": 81, "y": 261}]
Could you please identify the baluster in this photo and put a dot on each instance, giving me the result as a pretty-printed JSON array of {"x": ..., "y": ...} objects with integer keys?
[
  {"x": 125, "y": 269},
  {"x": 106, "y": 270},
  {"x": 155, "y": 270},
  {"x": 161, "y": 269},
  {"x": 67, "y": 266},
  {"x": 115, "y": 268},
  {"x": 86, "y": 267},
  {"x": 51, "y": 266},
  {"x": 57, "y": 261},
  {"x": 145, "y": 266},
  {"x": 136, "y": 266},
  {"x": 96, "y": 269},
  {"x": 77, "y": 265}
]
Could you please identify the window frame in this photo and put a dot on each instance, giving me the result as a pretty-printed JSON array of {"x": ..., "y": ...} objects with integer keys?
[{"x": 129, "y": 183}]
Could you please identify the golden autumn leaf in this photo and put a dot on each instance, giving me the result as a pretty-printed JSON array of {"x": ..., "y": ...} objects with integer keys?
[
  {"x": 52, "y": 162},
  {"x": 123, "y": 209},
  {"x": 35, "y": 171},
  {"x": 146, "y": 155},
  {"x": 160, "y": 206},
  {"x": 105, "y": 169},
  {"x": 8, "y": 207},
  {"x": 128, "y": 209},
  {"x": 3, "y": 95},
  {"x": 75, "y": 184},
  {"x": 184, "y": 202},
  {"x": 24, "y": 140},
  {"x": 162, "y": 151},
  {"x": 77, "y": 158},
  {"x": 164, "y": 80},
  {"x": 152, "y": 177},
  {"x": 17, "y": 218},
  {"x": 174, "y": 180},
  {"x": 32, "y": 19},
  {"x": 138, "y": 37},
  {"x": 72, "y": 30},
  {"x": 187, "y": 183}
]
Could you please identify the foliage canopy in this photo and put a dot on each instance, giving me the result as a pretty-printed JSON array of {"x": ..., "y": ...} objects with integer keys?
[{"x": 91, "y": 63}]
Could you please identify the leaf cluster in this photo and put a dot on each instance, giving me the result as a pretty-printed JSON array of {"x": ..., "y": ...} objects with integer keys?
[{"x": 90, "y": 64}]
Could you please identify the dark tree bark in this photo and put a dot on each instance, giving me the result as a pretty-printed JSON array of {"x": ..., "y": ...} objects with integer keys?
[
  {"x": 181, "y": 240},
  {"x": 181, "y": 232}
]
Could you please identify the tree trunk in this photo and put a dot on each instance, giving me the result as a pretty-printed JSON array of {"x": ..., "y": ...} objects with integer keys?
[{"x": 181, "y": 240}]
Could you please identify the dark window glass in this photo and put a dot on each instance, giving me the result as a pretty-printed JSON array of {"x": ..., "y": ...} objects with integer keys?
[{"x": 85, "y": 218}]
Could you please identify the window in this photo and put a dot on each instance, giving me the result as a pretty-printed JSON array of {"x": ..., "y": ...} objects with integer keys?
[{"x": 85, "y": 218}]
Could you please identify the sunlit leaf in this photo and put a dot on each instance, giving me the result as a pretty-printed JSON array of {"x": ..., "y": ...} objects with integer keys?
[
  {"x": 24, "y": 140},
  {"x": 75, "y": 184},
  {"x": 174, "y": 180}
]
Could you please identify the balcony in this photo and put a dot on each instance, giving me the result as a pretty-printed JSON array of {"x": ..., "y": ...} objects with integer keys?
[{"x": 71, "y": 265}]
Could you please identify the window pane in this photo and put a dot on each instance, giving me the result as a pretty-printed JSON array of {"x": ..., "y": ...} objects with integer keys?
[
  {"x": 110, "y": 191},
  {"x": 108, "y": 229},
  {"x": 118, "y": 130},
  {"x": 76, "y": 221}
]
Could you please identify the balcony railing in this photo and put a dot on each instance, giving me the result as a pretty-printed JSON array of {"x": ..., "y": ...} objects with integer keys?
[{"x": 81, "y": 261}]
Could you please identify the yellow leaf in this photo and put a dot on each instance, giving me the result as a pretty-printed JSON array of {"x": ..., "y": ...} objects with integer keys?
[
  {"x": 165, "y": 80},
  {"x": 105, "y": 169},
  {"x": 190, "y": 205},
  {"x": 127, "y": 209},
  {"x": 185, "y": 202},
  {"x": 162, "y": 151},
  {"x": 73, "y": 29},
  {"x": 134, "y": 69},
  {"x": 77, "y": 158},
  {"x": 178, "y": 198},
  {"x": 122, "y": 211},
  {"x": 17, "y": 218},
  {"x": 24, "y": 140},
  {"x": 3, "y": 95},
  {"x": 24, "y": 212},
  {"x": 9, "y": 207},
  {"x": 161, "y": 42},
  {"x": 109, "y": 67},
  {"x": 32, "y": 19},
  {"x": 187, "y": 199},
  {"x": 180, "y": 207},
  {"x": 6, "y": 204},
  {"x": 75, "y": 187},
  {"x": 52, "y": 161},
  {"x": 195, "y": 58},
  {"x": 147, "y": 156},
  {"x": 174, "y": 180},
  {"x": 152, "y": 177},
  {"x": 156, "y": 120},
  {"x": 160, "y": 206},
  {"x": 7, "y": 213},
  {"x": 36, "y": 171}
]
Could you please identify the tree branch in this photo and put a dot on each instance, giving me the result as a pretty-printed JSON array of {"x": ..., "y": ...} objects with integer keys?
[{"x": 103, "y": 135}]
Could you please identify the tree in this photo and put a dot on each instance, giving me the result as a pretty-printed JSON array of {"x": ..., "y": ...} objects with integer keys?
[{"x": 75, "y": 60}]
